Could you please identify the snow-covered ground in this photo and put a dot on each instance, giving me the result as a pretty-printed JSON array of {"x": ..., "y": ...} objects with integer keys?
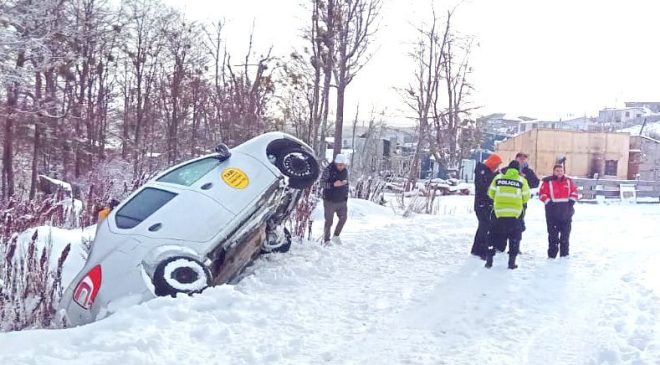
[{"x": 401, "y": 291}]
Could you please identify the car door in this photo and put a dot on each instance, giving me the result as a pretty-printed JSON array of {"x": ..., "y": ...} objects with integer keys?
[
  {"x": 235, "y": 183},
  {"x": 170, "y": 212}
]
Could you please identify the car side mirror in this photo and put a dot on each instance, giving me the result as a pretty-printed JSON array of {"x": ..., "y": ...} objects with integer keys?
[{"x": 222, "y": 151}]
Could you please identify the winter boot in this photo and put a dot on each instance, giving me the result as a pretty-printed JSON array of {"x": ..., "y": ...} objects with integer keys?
[
  {"x": 489, "y": 262},
  {"x": 512, "y": 262},
  {"x": 336, "y": 240}
]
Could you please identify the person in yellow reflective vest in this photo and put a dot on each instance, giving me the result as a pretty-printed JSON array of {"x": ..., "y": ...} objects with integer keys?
[{"x": 509, "y": 191}]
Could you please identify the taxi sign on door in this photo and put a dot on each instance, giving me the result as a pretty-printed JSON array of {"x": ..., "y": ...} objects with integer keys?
[{"x": 235, "y": 178}]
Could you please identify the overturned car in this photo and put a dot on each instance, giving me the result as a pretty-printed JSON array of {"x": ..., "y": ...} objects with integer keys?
[{"x": 195, "y": 225}]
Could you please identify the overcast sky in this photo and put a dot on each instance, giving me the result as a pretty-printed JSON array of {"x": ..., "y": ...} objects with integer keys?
[{"x": 544, "y": 59}]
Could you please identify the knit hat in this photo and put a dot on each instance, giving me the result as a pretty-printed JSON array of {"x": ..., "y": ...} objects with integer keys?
[
  {"x": 514, "y": 165},
  {"x": 341, "y": 159},
  {"x": 493, "y": 161}
]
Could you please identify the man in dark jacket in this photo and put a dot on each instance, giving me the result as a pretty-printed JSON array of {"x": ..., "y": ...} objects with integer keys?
[
  {"x": 483, "y": 204},
  {"x": 559, "y": 194},
  {"x": 530, "y": 175},
  {"x": 335, "y": 197}
]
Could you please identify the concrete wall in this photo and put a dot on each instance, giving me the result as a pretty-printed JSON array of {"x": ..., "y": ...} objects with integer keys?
[{"x": 585, "y": 152}]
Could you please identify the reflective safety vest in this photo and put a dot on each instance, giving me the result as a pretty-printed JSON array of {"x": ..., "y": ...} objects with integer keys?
[{"x": 509, "y": 192}]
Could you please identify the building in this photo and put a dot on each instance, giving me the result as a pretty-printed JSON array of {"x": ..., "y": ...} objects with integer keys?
[
  {"x": 583, "y": 123},
  {"x": 502, "y": 124},
  {"x": 586, "y": 153},
  {"x": 644, "y": 163},
  {"x": 654, "y": 106},
  {"x": 618, "y": 118}
]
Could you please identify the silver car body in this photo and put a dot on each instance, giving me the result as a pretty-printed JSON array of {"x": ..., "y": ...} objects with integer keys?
[{"x": 214, "y": 213}]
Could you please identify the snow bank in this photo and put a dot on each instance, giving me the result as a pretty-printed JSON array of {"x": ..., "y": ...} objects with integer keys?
[
  {"x": 401, "y": 291},
  {"x": 59, "y": 238},
  {"x": 357, "y": 208}
]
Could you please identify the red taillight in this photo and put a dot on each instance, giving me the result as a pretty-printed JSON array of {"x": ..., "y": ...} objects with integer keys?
[{"x": 88, "y": 287}]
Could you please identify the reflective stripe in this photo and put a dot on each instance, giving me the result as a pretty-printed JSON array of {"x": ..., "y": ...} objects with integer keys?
[
  {"x": 552, "y": 191},
  {"x": 562, "y": 200},
  {"x": 508, "y": 210},
  {"x": 499, "y": 192}
]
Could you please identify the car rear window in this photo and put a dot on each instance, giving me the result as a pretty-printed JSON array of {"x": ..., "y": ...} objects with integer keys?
[
  {"x": 190, "y": 173},
  {"x": 141, "y": 206}
]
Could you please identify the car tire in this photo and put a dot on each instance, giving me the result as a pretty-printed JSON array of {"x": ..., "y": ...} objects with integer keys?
[
  {"x": 299, "y": 166},
  {"x": 180, "y": 274},
  {"x": 281, "y": 249}
]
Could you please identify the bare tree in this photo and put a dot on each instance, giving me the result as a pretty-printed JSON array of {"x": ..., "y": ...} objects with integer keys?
[
  {"x": 422, "y": 95},
  {"x": 356, "y": 25},
  {"x": 145, "y": 23},
  {"x": 247, "y": 94},
  {"x": 438, "y": 95}
]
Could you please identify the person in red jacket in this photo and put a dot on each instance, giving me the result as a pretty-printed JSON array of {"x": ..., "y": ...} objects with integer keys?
[{"x": 559, "y": 194}]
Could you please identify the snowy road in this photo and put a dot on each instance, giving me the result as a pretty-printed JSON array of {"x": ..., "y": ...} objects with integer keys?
[{"x": 402, "y": 291}]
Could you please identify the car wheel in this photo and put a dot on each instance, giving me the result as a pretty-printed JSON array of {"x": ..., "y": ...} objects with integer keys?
[
  {"x": 299, "y": 166},
  {"x": 180, "y": 274},
  {"x": 284, "y": 246}
]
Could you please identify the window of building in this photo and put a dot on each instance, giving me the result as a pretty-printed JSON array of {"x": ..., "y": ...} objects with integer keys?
[
  {"x": 627, "y": 114},
  {"x": 611, "y": 167}
]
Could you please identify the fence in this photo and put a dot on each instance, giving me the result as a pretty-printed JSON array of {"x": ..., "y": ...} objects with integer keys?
[{"x": 592, "y": 189}]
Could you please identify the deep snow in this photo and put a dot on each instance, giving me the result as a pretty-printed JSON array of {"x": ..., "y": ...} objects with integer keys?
[{"x": 401, "y": 290}]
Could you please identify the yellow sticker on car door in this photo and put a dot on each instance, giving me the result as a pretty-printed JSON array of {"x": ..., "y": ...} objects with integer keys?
[{"x": 235, "y": 178}]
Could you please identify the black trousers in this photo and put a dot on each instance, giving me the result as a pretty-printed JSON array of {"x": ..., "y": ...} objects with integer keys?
[
  {"x": 481, "y": 238},
  {"x": 559, "y": 232},
  {"x": 505, "y": 231},
  {"x": 522, "y": 218}
]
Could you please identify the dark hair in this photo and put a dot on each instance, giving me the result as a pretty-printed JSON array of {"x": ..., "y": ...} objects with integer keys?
[
  {"x": 514, "y": 165},
  {"x": 522, "y": 154},
  {"x": 558, "y": 165}
]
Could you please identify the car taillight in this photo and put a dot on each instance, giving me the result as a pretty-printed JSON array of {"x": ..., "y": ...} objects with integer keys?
[{"x": 88, "y": 287}]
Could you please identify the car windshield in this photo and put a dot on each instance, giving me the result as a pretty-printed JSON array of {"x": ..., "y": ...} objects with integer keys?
[
  {"x": 190, "y": 173},
  {"x": 141, "y": 206}
]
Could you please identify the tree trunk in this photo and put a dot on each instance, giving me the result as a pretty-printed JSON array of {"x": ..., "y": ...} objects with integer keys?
[
  {"x": 327, "y": 71},
  {"x": 8, "y": 142},
  {"x": 37, "y": 135},
  {"x": 8, "y": 151},
  {"x": 339, "y": 122}
]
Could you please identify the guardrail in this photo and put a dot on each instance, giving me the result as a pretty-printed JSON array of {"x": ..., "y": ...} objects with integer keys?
[{"x": 592, "y": 189}]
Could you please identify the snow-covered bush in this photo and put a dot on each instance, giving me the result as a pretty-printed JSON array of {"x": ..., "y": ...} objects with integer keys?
[
  {"x": 418, "y": 201},
  {"x": 301, "y": 219},
  {"x": 31, "y": 272},
  {"x": 30, "y": 288},
  {"x": 371, "y": 189}
]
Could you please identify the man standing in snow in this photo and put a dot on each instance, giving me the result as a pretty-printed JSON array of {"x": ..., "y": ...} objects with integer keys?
[
  {"x": 483, "y": 204},
  {"x": 559, "y": 194},
  {"x": 509, "y": 191},
  {"x": 530, "y": 175},
  {"x": 335, "y": 197}
]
